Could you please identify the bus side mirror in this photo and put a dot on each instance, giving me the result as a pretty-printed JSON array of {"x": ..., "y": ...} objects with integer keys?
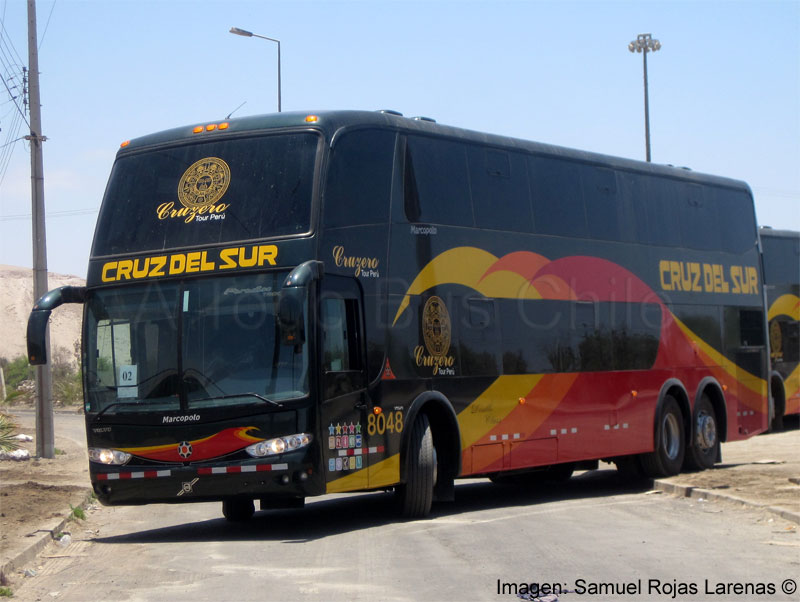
[
  {"x": 37, "y": 329},
  {"x": 290, "y": 316},
  {"x": 37, "y": 321},
  {"x": 291, "y": 299}
]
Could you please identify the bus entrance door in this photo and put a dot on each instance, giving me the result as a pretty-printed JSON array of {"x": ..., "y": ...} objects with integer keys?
[{"x": 345, "y": 400}]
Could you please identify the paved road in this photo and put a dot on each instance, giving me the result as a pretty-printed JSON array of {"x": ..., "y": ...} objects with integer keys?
[
  {"x": 68, "y": 424},
  {"x": 590, "y": 532}
]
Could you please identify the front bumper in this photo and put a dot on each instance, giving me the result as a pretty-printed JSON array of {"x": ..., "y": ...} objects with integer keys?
[{"x": 131, "y": 485}]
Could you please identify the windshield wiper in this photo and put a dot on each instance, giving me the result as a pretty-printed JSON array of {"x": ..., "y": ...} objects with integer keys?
[
  {"x": 235, "y": 395},
  {"x": 116, "y": 403}
]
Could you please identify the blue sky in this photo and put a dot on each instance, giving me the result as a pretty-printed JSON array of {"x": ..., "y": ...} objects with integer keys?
[{"x": 724, "y": 88}]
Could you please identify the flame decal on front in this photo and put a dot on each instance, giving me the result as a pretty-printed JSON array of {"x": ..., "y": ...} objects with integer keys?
[{"x": 217, "y": 445}]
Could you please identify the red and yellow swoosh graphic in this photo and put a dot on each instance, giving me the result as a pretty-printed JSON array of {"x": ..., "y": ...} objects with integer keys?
[
  {"x": 789, "y": 305},
  {"x": 785, "y": 305},
  {"x": 536, "y": 419},
  {"x": 217, "y": 445},
  {"x": 527, "y": 275}
]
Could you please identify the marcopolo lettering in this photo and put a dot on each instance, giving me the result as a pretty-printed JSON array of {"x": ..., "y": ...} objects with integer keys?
[{"x": 184, "y": 418}]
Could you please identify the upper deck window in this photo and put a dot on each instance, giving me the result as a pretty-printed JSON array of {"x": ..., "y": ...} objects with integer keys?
[
  {"x": 359, "y": 179},
  {"x": 214, "y": 192},
  {"x": 781, "y": 259},
  {"x": 436, "y": 182}
]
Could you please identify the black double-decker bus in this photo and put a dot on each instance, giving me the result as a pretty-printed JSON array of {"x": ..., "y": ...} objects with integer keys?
[
  {"x": 290, "y": 305},
  {"x": 781, "y": 250}
]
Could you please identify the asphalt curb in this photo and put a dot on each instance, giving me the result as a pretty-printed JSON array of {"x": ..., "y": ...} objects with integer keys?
[
  {"x": 41, "y": 537},
  {"x": 699, "y": 493}
]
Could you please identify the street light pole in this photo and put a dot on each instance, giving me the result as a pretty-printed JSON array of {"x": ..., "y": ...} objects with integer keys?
[
  {"x": 250, "y": 34},
  {"x": 645, "y": 43}
]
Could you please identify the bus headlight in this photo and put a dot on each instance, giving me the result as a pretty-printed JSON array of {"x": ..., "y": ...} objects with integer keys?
[
  {"x": 272, "y": 447},
  {"x": 108, "y": 456}
]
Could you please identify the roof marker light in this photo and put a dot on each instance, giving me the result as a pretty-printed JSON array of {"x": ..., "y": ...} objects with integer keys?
[
  {"x": 211, "y": 127},
  {"x": 311, "y": 118},
  {"x": 124, "y": 144}
]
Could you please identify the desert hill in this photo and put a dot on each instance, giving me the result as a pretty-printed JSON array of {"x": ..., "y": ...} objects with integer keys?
[{"x": 16, "y": 301}]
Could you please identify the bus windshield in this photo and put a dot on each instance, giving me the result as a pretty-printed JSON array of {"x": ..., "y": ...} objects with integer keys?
[
  {"x": 171, "y": 346},
  {"x": 209, "y": 192}
]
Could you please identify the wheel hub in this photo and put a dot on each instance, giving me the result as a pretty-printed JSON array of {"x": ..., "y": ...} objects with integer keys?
[
  {"x": 671, "y": 436},
  {"x": 706, "y": 431}
]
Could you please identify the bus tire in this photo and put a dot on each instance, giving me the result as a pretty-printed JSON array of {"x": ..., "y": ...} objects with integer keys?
[
  {"x": 559, "y": 473},
  {"x": 778, "y": 403},
  {"x": 630, "y": 468},
  {"x": 704, "y": 448},
  {"x": 238, "y": 510},
  {"x": 415, "y": 496},
  {"x": 666, "y": 459}
]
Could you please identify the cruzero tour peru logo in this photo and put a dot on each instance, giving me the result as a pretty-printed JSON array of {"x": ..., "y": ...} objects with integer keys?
[
  {"x": 200, "y": 189},
  {"x": 364, "y": 267},
  {"x": 436, "y": 331}
]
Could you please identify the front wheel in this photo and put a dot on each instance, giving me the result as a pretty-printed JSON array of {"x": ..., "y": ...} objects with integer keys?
[
  {"x": 779, "y": 406},
  {"x": 415, "y": 496},
  {"x": 704, "y": 450},
  {"x": 670, "y": 442},
  {"x": 237, "y": 510}
]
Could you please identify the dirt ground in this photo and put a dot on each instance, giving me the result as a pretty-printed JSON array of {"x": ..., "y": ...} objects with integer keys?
[
  {"x": 38, "y": 493},
  {"x": 764, "y": 470}
]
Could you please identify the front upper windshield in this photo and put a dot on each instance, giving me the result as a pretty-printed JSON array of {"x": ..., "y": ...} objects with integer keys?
[
  {"x": 171, "y": 346},
  {"x": 221, "y": 190}
]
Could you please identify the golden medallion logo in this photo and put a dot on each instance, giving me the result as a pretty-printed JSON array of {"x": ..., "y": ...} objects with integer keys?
[
  {"x": 204, "y": 183},
  {"x": 775, "y": 340},
  {"x": 200, "y": 189},
  {"x": 436, "y": 332}
]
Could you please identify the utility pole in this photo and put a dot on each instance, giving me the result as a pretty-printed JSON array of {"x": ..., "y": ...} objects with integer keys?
[{"x": 45, "y": 438}]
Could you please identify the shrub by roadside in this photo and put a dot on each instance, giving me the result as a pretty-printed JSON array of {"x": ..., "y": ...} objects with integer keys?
[{"x": 20, "y": 385}]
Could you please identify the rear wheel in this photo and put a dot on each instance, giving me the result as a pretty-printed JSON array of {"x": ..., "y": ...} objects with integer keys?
[
  {"x": 630, "y": 468},
  {"x": 237, "y": 510},
  {"x": 704, "y": 449},
  {"x": 779, "y": 405},
  {"x": 670, "y": 442},
  {"x": 416, "y": 494},
  {"x": 559, "y": 473}
]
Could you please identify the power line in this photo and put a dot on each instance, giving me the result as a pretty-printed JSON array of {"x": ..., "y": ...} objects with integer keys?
[
  {"x": 12, "y": 64},
  {"x": 5, "y": 37},
  {"x": 69, "y": 213},
  {"x": 13, "y": 98},
  {"x": 46, "y": 25},
  {"x": 12, "y": 137}
]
